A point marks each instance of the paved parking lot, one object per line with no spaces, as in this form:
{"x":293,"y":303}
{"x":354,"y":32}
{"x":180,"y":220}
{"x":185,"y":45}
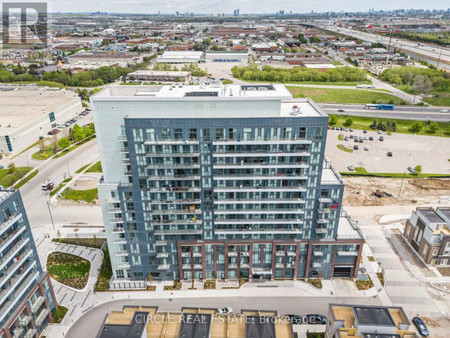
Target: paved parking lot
{"x":433,"y":153}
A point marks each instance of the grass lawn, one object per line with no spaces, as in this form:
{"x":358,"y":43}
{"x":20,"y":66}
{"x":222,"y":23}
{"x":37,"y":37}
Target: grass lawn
{"x":82,"y":168}
{"x":95,"y":168}
{"x":105,"y":273}
{"x":59,"y":314}
{"x":80,"y":195}
{"x":333,"y":95}
{"x":42,"y":156}
{"x":68,"y":269}
{"x":360,"y":171}
{"x":29,"y":147}
{"x":363,"y":122}
{"x":8,"y":180}
{"x":341,"y":147}
{"x":441,"y":98}
{"x":26,"y":179}
{"x":89,"y":242}
{"x":58,"y":188}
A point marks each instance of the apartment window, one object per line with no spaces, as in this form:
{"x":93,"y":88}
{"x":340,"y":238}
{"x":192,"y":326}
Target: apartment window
{"x":192,"y":134}
{"x":120,"y":274}
{"x":447,"y":249}
{"x":219,"y":134}
{"x":443,"y":262}
{"x":178,"y":134}
{"x":150,"y":134}
{"x":206,"y":135}
{"x":435,"y":252}
{"x":425,"y":251}
{"x":165,"y":134}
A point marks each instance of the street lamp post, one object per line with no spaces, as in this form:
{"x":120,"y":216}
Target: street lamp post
{"x":50,"y":213}
{"x":401,"y":185}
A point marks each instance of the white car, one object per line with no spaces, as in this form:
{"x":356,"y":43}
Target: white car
{"x":224,"y":310}
{"x":444,"y":110}
{"x":366,"y":148}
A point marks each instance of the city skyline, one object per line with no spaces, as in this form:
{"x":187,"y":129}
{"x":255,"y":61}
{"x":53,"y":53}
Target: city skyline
{"x":245,"y":7}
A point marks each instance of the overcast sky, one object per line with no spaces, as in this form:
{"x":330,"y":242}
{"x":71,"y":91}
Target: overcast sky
{"x":245,"y":6}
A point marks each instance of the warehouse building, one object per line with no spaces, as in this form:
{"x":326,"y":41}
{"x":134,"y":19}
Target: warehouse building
{"x":227,"y":57}
{"x":160,"y":76}
{"x":28,"y":113}
{"x":181,"y":57}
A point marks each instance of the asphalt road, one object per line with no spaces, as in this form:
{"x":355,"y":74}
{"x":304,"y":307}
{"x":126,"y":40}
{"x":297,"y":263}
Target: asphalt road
{"x":399,"y":112}
{"x":57,"y":170}
{"x":90,"y":323}
{"x":429,"y":52}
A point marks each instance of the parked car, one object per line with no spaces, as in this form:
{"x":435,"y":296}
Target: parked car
{"x":412,"y":170}
{"x":341,"y":111}
{"x":2,"y":167}
{"x":356,"y":140}
{"x":381,"y":138}
{"x":316,"y":319}
{"x":351,"y":130}
{"x":333,"y":128}
{"x":366,"y":137}
{"x":370,"y":138}
{"x":351,"y":168}
{"x":361,"y":140}
{"x":346,"y":138}
{"x":355,"y":147}
{"x":351,"y":136}
{"x":444,"y":110}
{"x":295,"y":319}
{"x":421,"y":326}
{"x":47,"y":185}
{"x":366,"y":148}
{"x":365,"y":131}
{"x":389,"y":153}
{"x":379,"y":132}
{"x":224,"y":310}
{"x":388,"y":194}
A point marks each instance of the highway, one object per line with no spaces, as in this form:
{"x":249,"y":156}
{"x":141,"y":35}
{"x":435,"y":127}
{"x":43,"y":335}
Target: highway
{"x":429,"y":52}
{"x":399,"y":112}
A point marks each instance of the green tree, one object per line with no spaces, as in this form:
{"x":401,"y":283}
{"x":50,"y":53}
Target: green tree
{"x":422,"y":85}
{"x":63,"y":143}
{"x":302,"y":38}
{"x":314,"y":39}
{"x":11,"y":168}
{"x":416,"y":127}
{"x":433,"y":128}
{"x":418,"y":169}
{"x":78,"y":133}
{"x":214,"y":47}
{"x":348,"y":122}
{"x":333,"y":120}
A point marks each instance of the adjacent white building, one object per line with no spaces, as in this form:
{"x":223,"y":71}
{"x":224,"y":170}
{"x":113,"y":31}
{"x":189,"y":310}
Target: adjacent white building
{"x":181,"y":57}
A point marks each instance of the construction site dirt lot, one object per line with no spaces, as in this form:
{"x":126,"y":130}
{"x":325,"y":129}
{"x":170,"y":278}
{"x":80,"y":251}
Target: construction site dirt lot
{"x":359,"y":191}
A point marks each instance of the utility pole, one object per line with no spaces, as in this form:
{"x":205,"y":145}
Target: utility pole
{"x":439,"y":58}
{"x":51,"y":217}
{"x":390,"y":37}
{"x":68,"y":170}
{"x":401,"y":185}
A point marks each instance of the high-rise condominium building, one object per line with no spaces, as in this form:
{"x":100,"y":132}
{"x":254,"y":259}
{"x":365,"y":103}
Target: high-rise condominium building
{"x":26,"y":294}
{"x":219,"y":182}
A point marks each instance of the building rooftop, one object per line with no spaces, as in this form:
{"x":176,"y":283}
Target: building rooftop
{"x":445,"y":212}
{"x":346,"y":230}
{"x":373,"y":316}
{"x":193,"y":323}
{"x":24,"y":105}
{"x":430,"y":215}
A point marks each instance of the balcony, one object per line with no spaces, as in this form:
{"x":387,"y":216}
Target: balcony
{"x":347,"y":253}
{"x":116,"y":220}
{"x":114,"y":210}
{"x":174,"y":166}
{"x":25,"y":320}
{"x":121,"y":253}
{"x":120,"y":241}
{"x":178,"y":232}
{"x":175,"y":189}
{"x":161,"y":154}
{"x":233,"y":177}
{"x":173,"y":178}
{"x":37,"y":304}
{"x":186,"y":254}
{"x":260,"y":211}
{"x":163,"y":267}
{"x":257,"y":231}
{"x":321,"y":230}
{"x":177,"y":211}
{"x":178,"y":201}
{"x":291,"y":253}
{"x":316,"y":265}
{"x":198,"y":266}
{"x":18,"y":332}
{"x":162,"y":255}
{"x":325,"y":200}
{"x":232,"y":266}
{"x":30,"y":333}
{"x":178,"y":222}
{"x":186,"y":266}
{"x":318,"y":253}
{"x":160,"y":243}
{"x":260,"y":188}
{"x":279,"y":265}
{"x":150,"y":142}
{"x":290,"y":265}
{"x":245,"y":253}
{"x":263,"y":141}
{"x":324,"y":211}
{"x":11,"y":237}
{"x":260,"y":200}
{"x":126,"y":161}
{"x":258,"y":221}
{"x":123,"y":265}
{"x":261,"y":153}
{"x":243,"y":164}
{"x":323,"y":221}
{"x":13,"y":252}
{"x":280,"y":253}
{"x":244,"y":265}
{"x":197,"y":254}
{"x":10,"y":221}
{"x":232,"y":253}
{"x":118,"y":230}
{"x":13,"y":268}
